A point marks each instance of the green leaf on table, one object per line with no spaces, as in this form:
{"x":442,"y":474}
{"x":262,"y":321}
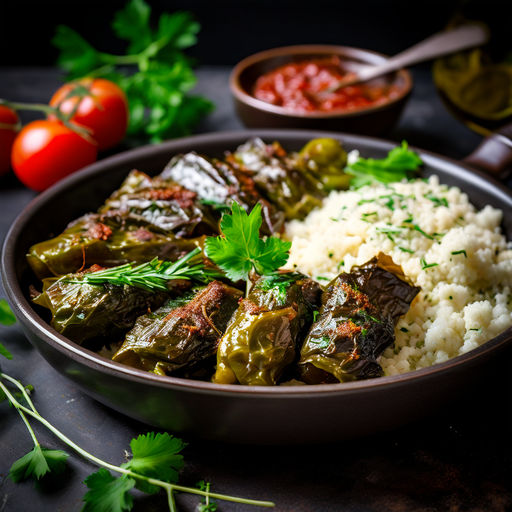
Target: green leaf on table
{"x":132,"y":24}
{"x":6,"y":315}
{"x":107,"y":493}
{"x":4,"y":352}
{"x":156,"y":456}
{"x":400,"y":163}
{"x":240,"y":249}
{"x":77,"y":56}
{"x":37,"y":463}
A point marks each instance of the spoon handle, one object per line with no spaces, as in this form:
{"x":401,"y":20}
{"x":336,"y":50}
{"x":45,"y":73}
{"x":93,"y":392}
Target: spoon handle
{"x":461,"y":38}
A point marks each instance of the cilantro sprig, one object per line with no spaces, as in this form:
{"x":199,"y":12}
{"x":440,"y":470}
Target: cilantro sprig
{"x":399,"y":163}
{"x":240,"y":251}
{"x":154,"y":464}
{"x":154,"y":73}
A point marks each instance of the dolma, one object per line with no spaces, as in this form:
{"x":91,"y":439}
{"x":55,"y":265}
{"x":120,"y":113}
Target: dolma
{"x":287,"y":181}
{"x":162,"y":204}
{"x":107,"y":240}
{"x":182,"y":334}
{"x":83,"y":311}
{"x":219,"y":183}
{"x":263,"y":337}
{"x":356,"y":322}
{"x":145,"y":218}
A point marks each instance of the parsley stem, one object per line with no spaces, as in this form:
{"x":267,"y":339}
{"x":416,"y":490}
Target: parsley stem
{"x":20,"y":386}
{"x":170,"y":500}
{"x":23,"y":417}
{"x":169,"y":488}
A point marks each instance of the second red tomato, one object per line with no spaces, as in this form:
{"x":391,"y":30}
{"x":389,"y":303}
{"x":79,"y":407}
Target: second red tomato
{"x":104,"y":111}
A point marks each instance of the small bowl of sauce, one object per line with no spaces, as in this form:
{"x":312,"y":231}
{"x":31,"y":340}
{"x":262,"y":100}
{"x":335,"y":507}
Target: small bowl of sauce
{"x":298,"y":87}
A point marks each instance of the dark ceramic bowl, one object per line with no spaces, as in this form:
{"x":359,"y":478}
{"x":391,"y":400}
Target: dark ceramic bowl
{"x":372,"y":120}
{"x":230,"y":412}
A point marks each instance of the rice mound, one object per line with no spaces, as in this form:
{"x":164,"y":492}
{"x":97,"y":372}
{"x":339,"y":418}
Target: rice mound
{"x":456,"y":254}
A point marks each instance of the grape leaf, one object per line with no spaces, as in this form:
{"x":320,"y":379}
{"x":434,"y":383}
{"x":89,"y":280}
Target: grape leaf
{"x":156,"y":456}
{"x":398,"y":164}
{"x":240,"y":249}
{"x":6,"y":315}
{"x":107,"y":493}
{"x":37,"y":463}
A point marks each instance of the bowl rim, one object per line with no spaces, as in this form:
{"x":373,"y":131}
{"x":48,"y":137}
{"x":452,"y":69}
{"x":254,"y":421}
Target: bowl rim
{"x":352,"y":52}
{"x":29,"y":318}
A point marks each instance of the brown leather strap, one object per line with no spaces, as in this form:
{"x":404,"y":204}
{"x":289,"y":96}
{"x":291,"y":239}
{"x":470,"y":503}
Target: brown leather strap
{"x":494,"y":154}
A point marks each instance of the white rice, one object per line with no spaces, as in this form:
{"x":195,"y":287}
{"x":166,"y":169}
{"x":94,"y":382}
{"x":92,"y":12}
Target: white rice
{"x":465,"y":300}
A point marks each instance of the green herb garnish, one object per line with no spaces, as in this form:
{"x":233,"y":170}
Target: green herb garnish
{"x":404,"y":249}
{"x":240,"y":251}
{"x":425,"y":265}
{"x":404,"y":329}
{"x":438,"y":201}
{"x":322,"y":343}
{"x":419,"y":230}
{"x":155,"y":74}
{"x":155,"y":274}
{"x":216,"y":205}
{"x":462,"y":251}
{"x":399,"y":164}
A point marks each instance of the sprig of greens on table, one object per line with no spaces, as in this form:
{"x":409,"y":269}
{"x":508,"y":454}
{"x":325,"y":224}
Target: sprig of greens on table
{"x":158,"y":90}
{"x":154,"y":464}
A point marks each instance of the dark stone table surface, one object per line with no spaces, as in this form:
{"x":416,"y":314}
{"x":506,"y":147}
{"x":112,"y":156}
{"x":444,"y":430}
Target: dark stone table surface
{"x":459,"y":459}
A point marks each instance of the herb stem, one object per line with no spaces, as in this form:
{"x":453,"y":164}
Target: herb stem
{"x":170,"y":488}
{"x":20,"y":386}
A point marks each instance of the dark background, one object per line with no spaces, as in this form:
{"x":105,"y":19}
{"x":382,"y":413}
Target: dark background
{"x":233,"y":29}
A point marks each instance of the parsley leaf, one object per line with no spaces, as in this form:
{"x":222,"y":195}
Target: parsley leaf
{"x":155,"y":74}
{"x":37,"y":463}
{"x":4,"y":352}
{"x":77,"y":57}
{"x":107,"y":493}
{"x":398,"y":164}
{"x":6,"y":315}
{"x":239,"y":249}
{"x":156,"y":456}
{"x":132,"y":24}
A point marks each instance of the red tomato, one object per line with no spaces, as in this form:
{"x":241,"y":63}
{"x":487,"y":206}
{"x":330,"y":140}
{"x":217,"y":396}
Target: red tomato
{"x":9,"y":126}
{"x":104,"y":111}
{"x":45,"y":151}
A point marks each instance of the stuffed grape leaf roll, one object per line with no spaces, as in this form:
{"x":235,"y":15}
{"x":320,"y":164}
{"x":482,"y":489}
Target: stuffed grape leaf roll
{"x":356,"y":322}
{"x":182,"y":334}
{"x":219,"y":183}
{"x":146,"y":218}
{"x":83,"y":311}
{"x":264,"y":335}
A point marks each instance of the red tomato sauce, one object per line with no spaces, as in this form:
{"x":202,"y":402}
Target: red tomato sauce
{"x":304,"y":87}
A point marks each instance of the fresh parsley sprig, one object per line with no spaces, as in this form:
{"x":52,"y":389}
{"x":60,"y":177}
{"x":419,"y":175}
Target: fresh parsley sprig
{"x":154,"y":465}
{"x":155,"y":74}
{"x":240,"y":251}
{"x":400,"y":163}
{"x":154,"y":275}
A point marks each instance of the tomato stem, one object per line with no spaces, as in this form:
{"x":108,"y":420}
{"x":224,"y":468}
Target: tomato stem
{"x":40,"y":107}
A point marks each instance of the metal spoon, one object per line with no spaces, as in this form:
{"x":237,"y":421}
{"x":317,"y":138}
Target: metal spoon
{"x":442,"y":43}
